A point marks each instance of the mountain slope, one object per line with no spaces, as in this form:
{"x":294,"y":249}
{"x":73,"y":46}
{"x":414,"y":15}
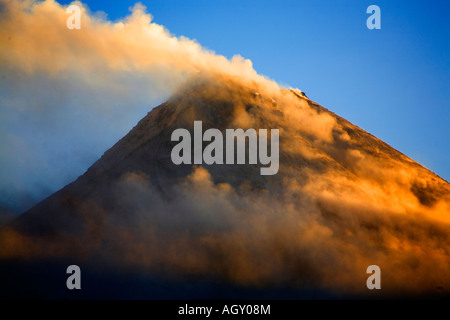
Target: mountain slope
{"x":342,"y":200}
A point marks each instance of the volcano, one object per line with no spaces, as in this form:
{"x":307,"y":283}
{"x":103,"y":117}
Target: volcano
{"x":139,"y":225}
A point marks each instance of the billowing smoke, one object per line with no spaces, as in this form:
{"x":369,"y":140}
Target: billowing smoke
{"x":67,"y":95}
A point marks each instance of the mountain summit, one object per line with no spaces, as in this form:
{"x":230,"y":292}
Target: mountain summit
{"x":342,"y":200}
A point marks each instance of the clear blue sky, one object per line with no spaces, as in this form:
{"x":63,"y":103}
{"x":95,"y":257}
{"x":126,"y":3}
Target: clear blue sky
{"x":393,"y":82}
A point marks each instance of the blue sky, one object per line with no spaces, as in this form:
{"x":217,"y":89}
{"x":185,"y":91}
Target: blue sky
{"x":392,"y":82}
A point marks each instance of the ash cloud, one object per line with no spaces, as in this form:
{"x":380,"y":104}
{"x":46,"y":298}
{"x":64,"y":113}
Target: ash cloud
{"x":68,"y":95}
{"x":302,"y":235}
